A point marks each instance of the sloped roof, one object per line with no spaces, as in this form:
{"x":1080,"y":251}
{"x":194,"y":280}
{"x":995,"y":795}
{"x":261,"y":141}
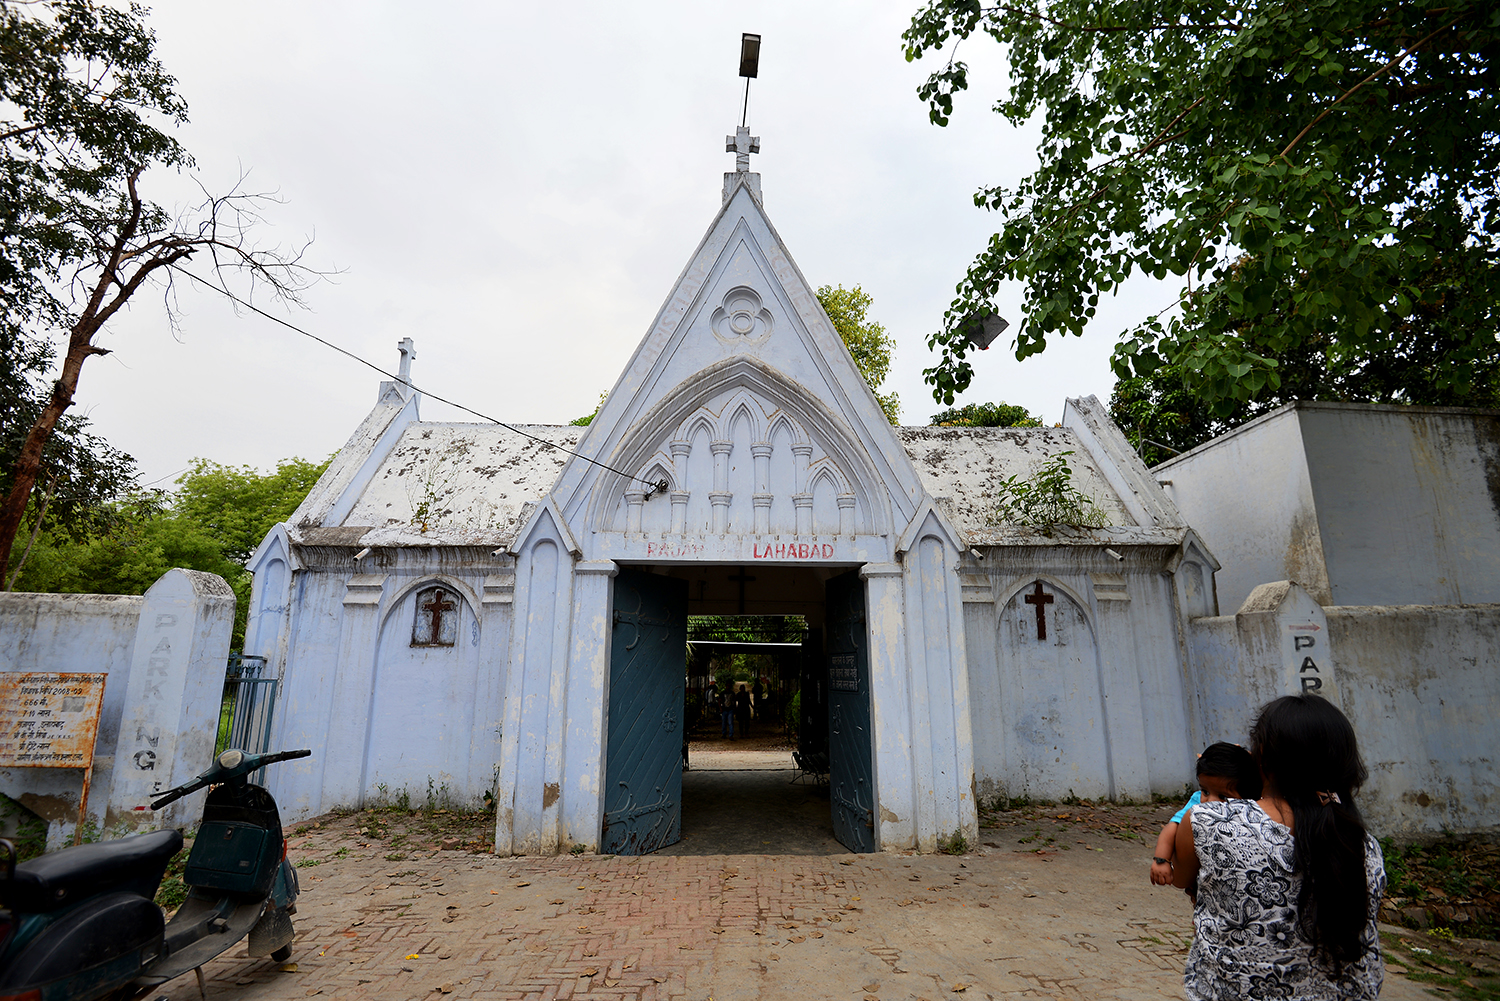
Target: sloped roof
{"x":475,"y":484}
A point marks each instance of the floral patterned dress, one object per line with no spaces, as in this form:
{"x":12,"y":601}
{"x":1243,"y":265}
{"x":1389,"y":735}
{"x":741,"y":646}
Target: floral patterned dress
{"x":1247,"y":943}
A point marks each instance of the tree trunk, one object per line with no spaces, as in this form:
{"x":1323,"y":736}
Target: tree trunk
{"x":80,"y":346}
{"x":36,"y":529}
{"x":29,"y":463}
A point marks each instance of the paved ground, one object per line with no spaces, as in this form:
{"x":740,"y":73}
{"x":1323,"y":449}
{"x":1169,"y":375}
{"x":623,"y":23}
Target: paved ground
{"x":1052,"y":905}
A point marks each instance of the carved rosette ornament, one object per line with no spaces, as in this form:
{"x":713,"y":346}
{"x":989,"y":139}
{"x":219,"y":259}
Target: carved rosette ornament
{"x":742,"y":317}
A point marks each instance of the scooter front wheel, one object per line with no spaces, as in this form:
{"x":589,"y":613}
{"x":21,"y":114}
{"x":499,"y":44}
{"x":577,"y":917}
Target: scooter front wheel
{"x":282,"y":955}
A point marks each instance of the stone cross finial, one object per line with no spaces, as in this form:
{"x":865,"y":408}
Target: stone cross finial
{"x":408,"y":352}
{"x":742,"y":144}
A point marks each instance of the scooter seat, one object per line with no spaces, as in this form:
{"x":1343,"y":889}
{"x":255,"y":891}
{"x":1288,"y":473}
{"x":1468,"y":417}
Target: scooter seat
{"x":53,"y":881}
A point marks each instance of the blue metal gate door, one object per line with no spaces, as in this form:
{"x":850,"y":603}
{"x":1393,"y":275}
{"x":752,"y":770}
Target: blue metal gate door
{"x":851,"y":773}
{"x":647,"y":666}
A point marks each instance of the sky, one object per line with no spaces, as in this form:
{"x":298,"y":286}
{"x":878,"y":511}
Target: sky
{"x":517,"y":187}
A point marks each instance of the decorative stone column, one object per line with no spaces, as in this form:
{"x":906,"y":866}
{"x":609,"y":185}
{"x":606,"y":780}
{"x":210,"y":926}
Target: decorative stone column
{"x":721,"y":496}
{"x":802,"y":451}
{"x":353,"y":688}
{"x":635,"y":500}
{"x":803,"y":504}
{"x":681,"y":449}
{"x":846,"y":514}
{"x":581,"y":780}
{"x":761,"y":450}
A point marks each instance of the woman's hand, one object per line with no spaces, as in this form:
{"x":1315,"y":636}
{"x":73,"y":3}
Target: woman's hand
{"x":1161,"y":873}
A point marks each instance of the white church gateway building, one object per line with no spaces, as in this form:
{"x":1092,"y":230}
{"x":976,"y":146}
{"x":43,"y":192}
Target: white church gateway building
{"x":465,"y":608}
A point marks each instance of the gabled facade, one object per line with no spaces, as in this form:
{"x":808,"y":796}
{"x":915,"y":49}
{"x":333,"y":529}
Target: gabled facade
{"x":970,"y":659}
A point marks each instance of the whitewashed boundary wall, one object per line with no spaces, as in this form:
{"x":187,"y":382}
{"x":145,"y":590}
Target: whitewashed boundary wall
{"x":164,"y":655}
{"x":1419,"y":682}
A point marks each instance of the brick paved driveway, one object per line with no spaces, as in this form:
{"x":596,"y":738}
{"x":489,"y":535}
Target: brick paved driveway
{"x":1021,"y":920}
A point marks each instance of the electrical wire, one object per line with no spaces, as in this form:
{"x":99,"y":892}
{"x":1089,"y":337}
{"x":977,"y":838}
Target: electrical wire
{"x":654,"y":487}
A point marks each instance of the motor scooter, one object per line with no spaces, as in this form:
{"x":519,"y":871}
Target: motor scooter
{"x":80,"y":923}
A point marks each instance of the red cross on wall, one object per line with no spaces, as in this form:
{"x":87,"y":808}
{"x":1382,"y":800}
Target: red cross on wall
{"x":435,"y":607}
{"x":1041,"y":601}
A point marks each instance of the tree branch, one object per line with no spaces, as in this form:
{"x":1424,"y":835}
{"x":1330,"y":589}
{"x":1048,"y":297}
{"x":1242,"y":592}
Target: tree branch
{"x":1037,"y":15}
{"x":1396,"y":59}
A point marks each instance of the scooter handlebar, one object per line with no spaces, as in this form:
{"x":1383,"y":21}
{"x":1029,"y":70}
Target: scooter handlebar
{"x":221,"y":771}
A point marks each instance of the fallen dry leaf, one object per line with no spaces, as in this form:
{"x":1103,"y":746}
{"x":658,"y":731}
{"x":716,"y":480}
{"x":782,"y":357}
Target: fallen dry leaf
{"x":610,"y":983}
{"x":960,"y":988}
{"x":446,"y":988}
{"x":592,"y":971}
{"x":519,"y":885}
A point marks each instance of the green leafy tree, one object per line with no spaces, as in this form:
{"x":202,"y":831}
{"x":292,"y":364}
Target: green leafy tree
{"x":79,"y":472}
{"x":986,"y":415}
{"x":81,"y":97}
{"x":866,"y":340}
{"x":213,"y":523}
{"x":1164,"y":413}
{"x":237,"y":506}
{"x":1326,"y":175}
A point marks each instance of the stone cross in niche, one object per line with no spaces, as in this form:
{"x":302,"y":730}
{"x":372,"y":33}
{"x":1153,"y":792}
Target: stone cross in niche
{"x":1041,"y":601}
{"x":435,"y":607}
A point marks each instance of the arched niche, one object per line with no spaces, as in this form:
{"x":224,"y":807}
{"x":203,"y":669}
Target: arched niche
{"x":743,"y":444}
{"x":1056,"y":739}
{"x":422,"y":701}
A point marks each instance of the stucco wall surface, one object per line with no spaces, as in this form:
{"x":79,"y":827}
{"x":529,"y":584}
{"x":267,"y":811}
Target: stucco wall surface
{"x":1248,"y":496}
{"x":1422,"y":687}
{"x":93,"y":633}
{"x":163,"y":654}
{"x":1408,"y":502}
{"x":1419,"y":683}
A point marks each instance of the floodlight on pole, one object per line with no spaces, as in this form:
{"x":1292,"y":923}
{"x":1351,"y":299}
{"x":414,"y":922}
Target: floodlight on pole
{"x":982,"y":326}
{"x":749,"y":68}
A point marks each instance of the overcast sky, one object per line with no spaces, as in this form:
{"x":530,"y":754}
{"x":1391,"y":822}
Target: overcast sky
{"x":517,"y":186}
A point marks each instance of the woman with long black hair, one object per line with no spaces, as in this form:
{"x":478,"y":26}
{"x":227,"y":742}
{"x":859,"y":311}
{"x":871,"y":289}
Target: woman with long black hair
{"x":1288,"y":885}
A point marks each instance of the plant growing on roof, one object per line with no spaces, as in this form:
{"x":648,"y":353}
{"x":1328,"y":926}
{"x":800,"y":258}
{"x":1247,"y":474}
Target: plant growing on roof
{"x":1048,"y":498}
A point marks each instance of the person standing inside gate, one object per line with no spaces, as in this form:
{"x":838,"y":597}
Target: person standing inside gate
{"x":1288,"y":886}
{"x":725,"y":701}
{"x":742,"y":708}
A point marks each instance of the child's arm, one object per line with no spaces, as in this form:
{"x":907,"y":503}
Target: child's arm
{"x":1185,"y":868}
{"x":1166,"y":847}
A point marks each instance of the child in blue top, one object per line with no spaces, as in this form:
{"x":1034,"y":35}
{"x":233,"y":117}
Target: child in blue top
{"x":1225,"y":771}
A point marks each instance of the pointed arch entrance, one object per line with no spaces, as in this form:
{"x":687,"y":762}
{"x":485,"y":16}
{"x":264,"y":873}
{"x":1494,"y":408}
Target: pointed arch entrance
{"x":644,"y":724}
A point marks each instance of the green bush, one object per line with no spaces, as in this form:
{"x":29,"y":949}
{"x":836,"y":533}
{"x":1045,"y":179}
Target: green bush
{"x":794,"y":715}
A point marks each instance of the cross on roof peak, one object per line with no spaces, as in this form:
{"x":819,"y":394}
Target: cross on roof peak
{"x":742,"y":144}
{"x":408,"y":351}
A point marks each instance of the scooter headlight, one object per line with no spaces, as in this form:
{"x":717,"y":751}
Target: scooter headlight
{"x":231,"y":758}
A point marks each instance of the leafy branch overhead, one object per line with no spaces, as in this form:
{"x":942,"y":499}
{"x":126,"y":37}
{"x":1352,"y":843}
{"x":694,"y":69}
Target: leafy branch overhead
{"x":1326,"y":175}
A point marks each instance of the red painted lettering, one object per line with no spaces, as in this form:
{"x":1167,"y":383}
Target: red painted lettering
{"x":827,"y":552}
